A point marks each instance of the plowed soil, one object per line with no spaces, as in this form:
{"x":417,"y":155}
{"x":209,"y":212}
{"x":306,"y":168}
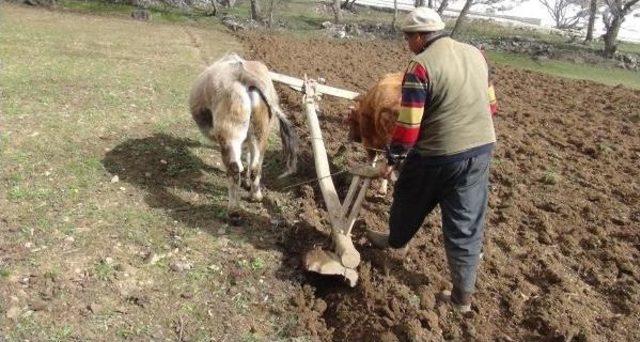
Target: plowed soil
{"x":563,"y":229}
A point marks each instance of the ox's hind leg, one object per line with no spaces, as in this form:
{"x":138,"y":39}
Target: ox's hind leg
{"x":232,"y":133}
{"x":256,"y":169}
{"x":258,"y":138}
{"x":234,"y":177}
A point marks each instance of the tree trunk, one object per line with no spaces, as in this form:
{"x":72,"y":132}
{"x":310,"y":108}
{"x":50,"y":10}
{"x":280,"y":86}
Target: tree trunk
{"x":443,"y":6}
{"x":395,"y":15}
{"x":214,"y":6}
{"x":610,"y":37}
{"x":270,"y":9}
{"x":419,"y":3}
{"x":461,"y":16}
{"x":347,"y":5}
{"x":337,"y":13}
{"x":255,"y":10}
{"x":430,"y":4}
{"x":593,"y":10}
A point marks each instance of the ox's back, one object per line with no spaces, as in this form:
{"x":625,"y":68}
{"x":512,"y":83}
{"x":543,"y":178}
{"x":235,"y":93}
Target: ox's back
{"x":376,"y":112}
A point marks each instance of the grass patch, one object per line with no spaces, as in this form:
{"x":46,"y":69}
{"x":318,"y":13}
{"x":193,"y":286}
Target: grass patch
{"x":609,"y":76}
{"x":104,"y":270}
{"x":550,"y":177}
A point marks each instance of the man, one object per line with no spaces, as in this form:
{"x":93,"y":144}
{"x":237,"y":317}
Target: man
{"x":444,"y":136}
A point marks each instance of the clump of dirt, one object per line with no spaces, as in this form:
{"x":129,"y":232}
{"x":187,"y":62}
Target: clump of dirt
{"x":563,"y":229}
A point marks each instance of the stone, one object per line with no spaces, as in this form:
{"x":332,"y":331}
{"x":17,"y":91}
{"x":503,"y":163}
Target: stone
{"x":13,"y":312}
{"x":180,"y":266}
{"x":141,"y":14}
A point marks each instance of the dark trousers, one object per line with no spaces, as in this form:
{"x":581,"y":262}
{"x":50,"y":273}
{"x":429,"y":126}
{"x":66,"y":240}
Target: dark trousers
{"x":461,"y":190}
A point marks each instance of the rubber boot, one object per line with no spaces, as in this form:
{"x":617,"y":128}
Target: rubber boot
{"x":461,"y":300}
{"x":378,"y":240}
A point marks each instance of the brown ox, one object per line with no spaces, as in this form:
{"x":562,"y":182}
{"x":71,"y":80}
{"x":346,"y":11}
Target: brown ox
{"x":234,"y":104}
{"x":373,"y":118}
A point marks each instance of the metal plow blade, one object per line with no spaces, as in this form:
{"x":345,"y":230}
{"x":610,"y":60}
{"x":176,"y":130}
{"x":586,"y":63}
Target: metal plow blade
{"x":328,"y":263}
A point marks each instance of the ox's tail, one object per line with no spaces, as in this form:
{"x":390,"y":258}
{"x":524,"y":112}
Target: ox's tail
{"x":289,"y":140}
{"x":288,"y":135}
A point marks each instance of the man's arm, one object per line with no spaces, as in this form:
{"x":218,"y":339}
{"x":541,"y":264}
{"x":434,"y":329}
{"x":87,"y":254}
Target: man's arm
{"x":493,"y":101}
{"x":415,"y":98}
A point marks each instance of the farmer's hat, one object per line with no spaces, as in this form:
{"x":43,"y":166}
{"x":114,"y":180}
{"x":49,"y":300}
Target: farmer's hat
{"x":422,"y":19}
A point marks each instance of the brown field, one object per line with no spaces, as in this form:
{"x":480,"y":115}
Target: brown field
{"x":563,"y":233}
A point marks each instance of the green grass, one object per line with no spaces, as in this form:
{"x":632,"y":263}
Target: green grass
{"x":98,"y":96}
{"x":609,"y":76}
{"x":161,"y":14}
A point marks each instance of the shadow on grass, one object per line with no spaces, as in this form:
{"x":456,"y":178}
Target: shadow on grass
{"x":138,"y":162}
{"x":161,"y":164}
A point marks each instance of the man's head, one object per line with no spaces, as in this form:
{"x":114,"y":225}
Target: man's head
{"x":419,"y":25}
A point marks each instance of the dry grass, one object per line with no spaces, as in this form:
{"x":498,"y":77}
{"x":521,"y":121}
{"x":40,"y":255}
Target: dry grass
{"x":86,"y":98}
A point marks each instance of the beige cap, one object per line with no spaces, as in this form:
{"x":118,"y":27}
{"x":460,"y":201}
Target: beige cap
{"x":422,"y":19}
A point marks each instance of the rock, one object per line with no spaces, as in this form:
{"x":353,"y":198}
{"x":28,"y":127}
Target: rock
{"x":180,"y":266}
{"x":388,"y":336}
{"x":115,"y":179}
{"x":326,"y":24}
{"x":141,"y":14}
{"x":94,"y":308}
{"x":13,"y":312}
{"x":232,"y":23}
{"x":153,"y":258}
{"x":320,"y":306}
{"x":139,"y":300}
{"x":430,"y":319}
{"x":38,"y":305}
{"x":427,"y":299}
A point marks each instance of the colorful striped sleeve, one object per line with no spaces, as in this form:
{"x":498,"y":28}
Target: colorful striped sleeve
{"x":415,"y":98}
{"x":493,"y":101}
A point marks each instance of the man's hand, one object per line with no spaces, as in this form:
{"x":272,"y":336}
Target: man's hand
{"x":385,"y":170}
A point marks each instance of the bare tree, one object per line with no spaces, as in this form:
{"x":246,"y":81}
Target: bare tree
{"x":443,"y":6}
{"x":419,"y":3}
{"x":395,"y":15}
{"x":593,"y":12}
{"x":348,"y":4}
{"x":461,"y":16}
{"x":270,"y":8}
{"x":255,"y":10}
{"x":613,"y":17}
{"x":566,"y":13}
{"x":337,"y":12}
{"x":465,"y":10}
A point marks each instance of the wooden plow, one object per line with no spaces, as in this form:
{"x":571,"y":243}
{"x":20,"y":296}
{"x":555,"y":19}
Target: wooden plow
{"x":344,"y":259}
